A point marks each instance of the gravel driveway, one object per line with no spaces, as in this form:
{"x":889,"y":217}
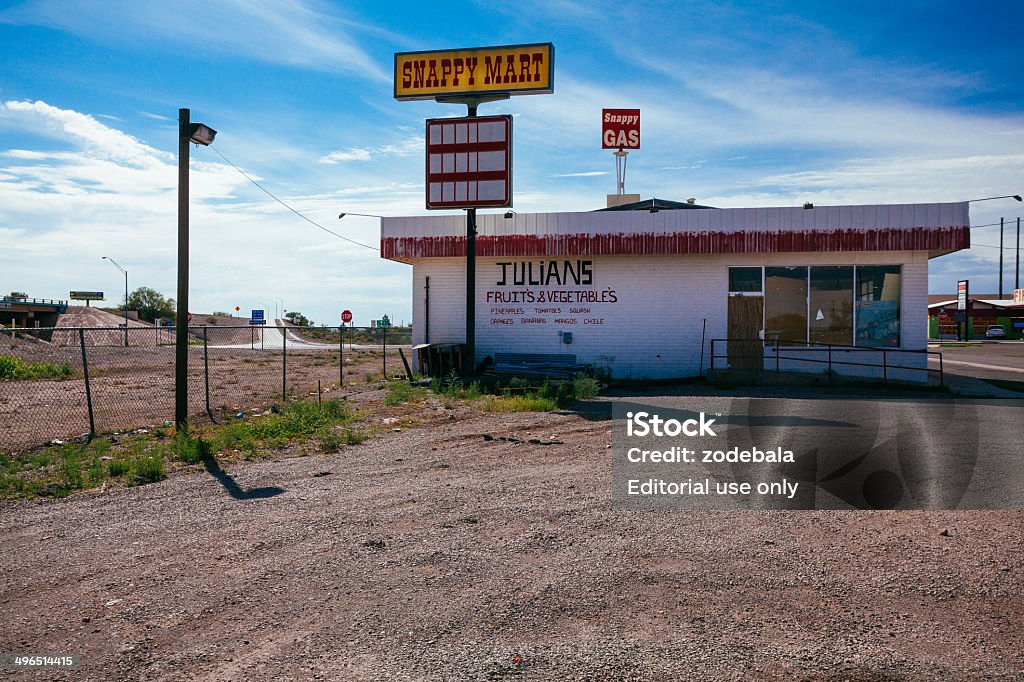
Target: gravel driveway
{"x":435,"y":554}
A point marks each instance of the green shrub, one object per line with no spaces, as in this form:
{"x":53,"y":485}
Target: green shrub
{"x":18,"y":369}
{"x":585,"y":387}
{"x":148,"y":469}
{"x":399,"y":392}
{"x":190,"y":450}
{"x":118,"y":467}
{"x":517,"y":403}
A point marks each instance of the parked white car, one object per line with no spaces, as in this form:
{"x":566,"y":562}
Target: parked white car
{"x":995,"y":331}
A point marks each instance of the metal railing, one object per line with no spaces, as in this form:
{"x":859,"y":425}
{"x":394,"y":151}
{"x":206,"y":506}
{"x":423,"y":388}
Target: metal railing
{"x":32,"y":301}
{"x":833,"y":352}
{"x":73,"y":382}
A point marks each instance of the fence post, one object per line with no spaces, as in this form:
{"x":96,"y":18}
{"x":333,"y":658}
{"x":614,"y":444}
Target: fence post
{"x":284,"y":363}
{"x":206,"y":371}
{"x":88,"y":389}
{"x":712,"y":367}
{"x":776,"y":357}
{"x":942,"y":378}
{"x":885,"y":367}
{"x":341,"y":356}
{"x":384,"y":341}
{"x":830,"y":362}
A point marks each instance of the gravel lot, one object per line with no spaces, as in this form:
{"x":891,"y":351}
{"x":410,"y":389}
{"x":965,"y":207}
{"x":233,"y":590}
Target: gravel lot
{"x":432,"y":553}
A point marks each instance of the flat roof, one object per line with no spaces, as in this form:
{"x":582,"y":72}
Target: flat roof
{"x":935,"y":228}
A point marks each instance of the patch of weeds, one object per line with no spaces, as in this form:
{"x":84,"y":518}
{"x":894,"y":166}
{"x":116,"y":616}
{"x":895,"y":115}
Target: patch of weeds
{"x":96,"y":471}
{"x":585,"y":387}
{"x":517,"y":403}
{"x":401,"y":392}
{"x":331,"y":441}
{"x":189,"y":450}
{"x":17,"y":369}
{"x":148,"y":469}
{"x":289,"y":422}
{"x":118,"y":467}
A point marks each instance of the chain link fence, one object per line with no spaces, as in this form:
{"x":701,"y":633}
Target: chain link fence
{"x":74,"y":382}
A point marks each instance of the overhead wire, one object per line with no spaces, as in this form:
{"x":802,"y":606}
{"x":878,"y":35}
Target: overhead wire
{"x":278,"y":200}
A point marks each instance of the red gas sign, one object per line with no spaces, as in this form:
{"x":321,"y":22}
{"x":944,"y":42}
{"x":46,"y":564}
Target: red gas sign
{"x":620,"y":129}
{"x":346,"y":316}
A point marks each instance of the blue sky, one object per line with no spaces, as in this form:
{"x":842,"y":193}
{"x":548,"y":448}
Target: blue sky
{"x":743,"y":104}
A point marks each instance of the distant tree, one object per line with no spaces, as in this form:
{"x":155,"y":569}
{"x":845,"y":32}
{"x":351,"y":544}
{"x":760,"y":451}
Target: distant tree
{"x":220,"y":313}
{"x":151,"y":304}
{"x":18,"y":295}
{"x":298,"y":319}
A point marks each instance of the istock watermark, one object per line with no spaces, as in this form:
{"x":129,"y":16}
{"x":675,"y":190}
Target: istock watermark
{"x":787,"y":453}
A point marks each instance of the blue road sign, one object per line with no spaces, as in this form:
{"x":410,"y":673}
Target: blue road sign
{"x":257,"y":317}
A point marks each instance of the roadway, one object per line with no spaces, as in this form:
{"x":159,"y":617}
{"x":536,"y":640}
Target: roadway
{"x":1000,"y":360}
{"x":272,"y":337}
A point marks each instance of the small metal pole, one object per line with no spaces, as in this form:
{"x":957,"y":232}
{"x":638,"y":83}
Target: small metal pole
{"x":88,"y":389}
{"x":341,"y":356}
{"x":1001,"y":257}
{"x":776,"y":357}
{"x":319,"y":394}
{"x":830,"y":362}
{"x":885,"y":367}
{"x":1016,"y":279}
{"x":703,"y":330}
{"x":284,"y":362}
{"x":206,"y":371}
{"x":384,"y":342}
{"x":942,"y":376}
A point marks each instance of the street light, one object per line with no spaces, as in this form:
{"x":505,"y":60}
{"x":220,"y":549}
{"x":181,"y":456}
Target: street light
{"x":126,"y":294}
{"x":1005,"y":196}
{"x":198,"y":134}
{"x":273,"y":304}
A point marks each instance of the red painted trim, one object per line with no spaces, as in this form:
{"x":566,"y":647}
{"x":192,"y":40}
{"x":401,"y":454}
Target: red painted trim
{"x":885,"y":239}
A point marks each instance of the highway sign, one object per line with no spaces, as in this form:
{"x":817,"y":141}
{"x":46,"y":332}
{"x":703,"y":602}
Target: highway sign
{"x":257,"y":317}
{"x":86,"y":295}
{"x":346,"y":316}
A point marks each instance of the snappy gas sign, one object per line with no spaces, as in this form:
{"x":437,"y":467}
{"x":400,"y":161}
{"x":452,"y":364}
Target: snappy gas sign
{"x":620,"y":129}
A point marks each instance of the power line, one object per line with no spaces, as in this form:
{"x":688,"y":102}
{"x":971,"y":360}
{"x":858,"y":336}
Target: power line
{"x":272,"y":196}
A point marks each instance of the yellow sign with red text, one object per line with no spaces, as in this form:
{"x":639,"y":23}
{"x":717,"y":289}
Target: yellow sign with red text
{"x":512,"y":69}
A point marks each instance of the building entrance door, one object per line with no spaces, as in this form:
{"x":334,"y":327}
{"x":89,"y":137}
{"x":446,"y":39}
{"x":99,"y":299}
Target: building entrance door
{"x":745,"y":348}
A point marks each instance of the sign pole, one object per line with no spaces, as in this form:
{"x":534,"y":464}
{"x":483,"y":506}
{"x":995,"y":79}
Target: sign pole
{"x":470,"y":357}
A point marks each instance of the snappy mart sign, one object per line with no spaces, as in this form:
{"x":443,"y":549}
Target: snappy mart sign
{"x":512,"y":69}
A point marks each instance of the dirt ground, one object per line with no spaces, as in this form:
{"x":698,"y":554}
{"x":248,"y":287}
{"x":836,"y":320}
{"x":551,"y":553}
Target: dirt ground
{"x":432,"y":553}
{"x":134,"y":387}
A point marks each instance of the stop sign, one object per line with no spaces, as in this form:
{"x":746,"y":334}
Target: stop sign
{"x":346,"y":316}
{"x":189,"y":317}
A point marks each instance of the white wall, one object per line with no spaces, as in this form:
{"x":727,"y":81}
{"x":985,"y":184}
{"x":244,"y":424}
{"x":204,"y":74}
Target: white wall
{"x":653,"y":330}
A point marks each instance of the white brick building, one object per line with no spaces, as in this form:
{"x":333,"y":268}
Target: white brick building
{"x":633,"y":291}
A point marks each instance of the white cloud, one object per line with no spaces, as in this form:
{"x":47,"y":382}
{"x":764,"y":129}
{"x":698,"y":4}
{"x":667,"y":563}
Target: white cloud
{"x":88,"y":190}
{"x":308,"y":34}
{"x":349,"y":155}
{"x":408,"y":147}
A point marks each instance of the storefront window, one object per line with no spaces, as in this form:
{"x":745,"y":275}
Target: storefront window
{"x":831,"y":309}
{"x":878,"y":306}
{"x":744,"y":280}
{"x":785,"y":305}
